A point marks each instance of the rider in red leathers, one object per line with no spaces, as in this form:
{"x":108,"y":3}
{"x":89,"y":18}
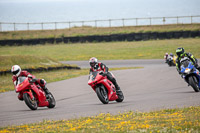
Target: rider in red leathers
{"x":17,"y":72}
{"x":98,"y":66}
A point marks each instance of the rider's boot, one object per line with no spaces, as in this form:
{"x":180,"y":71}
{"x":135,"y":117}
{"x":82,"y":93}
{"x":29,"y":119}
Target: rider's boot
{"x":198,"y":68}
{"x":118,"y":90}
{"x":46,"y":91}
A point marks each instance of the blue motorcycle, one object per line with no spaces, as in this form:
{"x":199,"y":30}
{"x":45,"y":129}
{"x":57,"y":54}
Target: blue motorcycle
{"x":190,"y":74}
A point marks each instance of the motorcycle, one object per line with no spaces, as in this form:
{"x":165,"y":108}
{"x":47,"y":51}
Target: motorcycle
{"x":171,"y":61}
{"x":104,"y":88}
{"x":33,"y":94}
{"x":190,"y":74}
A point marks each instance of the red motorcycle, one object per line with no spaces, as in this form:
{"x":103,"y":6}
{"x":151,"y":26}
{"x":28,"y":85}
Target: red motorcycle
{"x":104,"y":88}
{"x":33,"y":94}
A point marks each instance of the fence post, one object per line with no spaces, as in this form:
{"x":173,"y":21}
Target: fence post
{"x":82,"y":23}
{"x":123,"y":22}
{"x":69,"y":25}
{"x":164,"y":20}
{"x":95,"y":21}
{"x":14,"y":26}
{"x":0,"y":28}
{"x":42,"y":25}
{"x":55,"y":25}
{"x":150,"y":20}
{"x":109,"y":22}
{"x":136,"y":21}
{"x":177,"y":19}
{"x":28,"y":26}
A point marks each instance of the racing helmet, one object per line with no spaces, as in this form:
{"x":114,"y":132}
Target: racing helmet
{"x":93,"y":61}
{"x":16,"y":70}
{"x":180,"y":51}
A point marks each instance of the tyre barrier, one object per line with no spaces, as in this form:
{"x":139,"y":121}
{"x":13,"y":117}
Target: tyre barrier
{"x":105,"y":38}
{"x":41,"y":69}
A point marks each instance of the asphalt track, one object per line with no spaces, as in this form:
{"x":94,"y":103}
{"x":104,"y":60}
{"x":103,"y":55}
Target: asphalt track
{"x":154,"y":87}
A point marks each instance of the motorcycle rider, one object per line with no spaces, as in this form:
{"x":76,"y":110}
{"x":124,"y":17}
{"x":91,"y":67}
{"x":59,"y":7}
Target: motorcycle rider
{"x":166,"y":57}
{"x":171,"y":55}
{"x":17,"y":72}
{"x":181,"y":54}
{"x":98,"y":66}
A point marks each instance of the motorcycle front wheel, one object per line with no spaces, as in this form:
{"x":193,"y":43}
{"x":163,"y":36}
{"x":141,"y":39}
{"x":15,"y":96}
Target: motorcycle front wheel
{"x":51,"y":100}
{"x":31,"y":103}
{"x":102,"y":94}
{"x":194,"y":83}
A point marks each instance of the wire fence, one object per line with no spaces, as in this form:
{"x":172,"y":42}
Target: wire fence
{"x":4,"y":26}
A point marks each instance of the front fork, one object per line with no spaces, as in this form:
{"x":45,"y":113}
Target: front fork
{"x":30,"y":93}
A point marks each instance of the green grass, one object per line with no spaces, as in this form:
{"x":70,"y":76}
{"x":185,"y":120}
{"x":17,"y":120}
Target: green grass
{"x":27,"y":61}
{"x":168,"y":120}
{"x":6,"y":83}
{"x":85,"y":31}
{"x":154,"y":49}
{"x":27,"y":56}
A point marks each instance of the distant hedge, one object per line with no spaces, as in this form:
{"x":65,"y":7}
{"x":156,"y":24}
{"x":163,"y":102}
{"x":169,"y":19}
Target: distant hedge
{"x":41,"y":69}
{"x":105,"y":38}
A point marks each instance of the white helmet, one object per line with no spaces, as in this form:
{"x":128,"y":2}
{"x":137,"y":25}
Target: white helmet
{"x":16,"y":70}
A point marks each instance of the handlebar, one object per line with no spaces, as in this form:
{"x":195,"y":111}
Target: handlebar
{"x":33,"y":80}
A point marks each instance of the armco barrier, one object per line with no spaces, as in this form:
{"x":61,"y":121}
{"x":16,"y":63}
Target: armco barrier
{"x":41,"y":69}
{"x":105,"y":38}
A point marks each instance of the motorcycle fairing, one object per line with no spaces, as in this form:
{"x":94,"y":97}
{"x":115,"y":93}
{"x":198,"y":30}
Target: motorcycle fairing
{"x":97,"y":79}
{"x":40,"y":95}
{"x":111,"y":89}
{"x":194,"y":73}
{"x":24,"y":86}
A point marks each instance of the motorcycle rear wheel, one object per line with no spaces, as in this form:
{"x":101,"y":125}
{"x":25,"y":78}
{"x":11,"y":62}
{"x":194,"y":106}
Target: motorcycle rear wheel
{"x":51,"y":100}
{"x":31,"y":103}
{"x":102,"y":94}
{"x":192,"y":82}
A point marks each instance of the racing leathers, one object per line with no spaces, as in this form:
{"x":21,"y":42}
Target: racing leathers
{"x":102,"y":67}
{"x":191,"y":57}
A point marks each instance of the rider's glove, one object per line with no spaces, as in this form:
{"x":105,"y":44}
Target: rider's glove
{"x":33,"y":80}
{"x":101,"y":72}
{"x":30,"y":76}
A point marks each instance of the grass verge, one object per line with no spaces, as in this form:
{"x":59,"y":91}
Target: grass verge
{"x":27,"y":61}
{"x":6,"y":83}
{"x":154,"y":49}
{"x":168,"y":120}
{"x":86,"y":30}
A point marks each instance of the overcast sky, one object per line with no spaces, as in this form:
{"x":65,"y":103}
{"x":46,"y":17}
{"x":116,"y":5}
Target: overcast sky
{"x":44,"y":0}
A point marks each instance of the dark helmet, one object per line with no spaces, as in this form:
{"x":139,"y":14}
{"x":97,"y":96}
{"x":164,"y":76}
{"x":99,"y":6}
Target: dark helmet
{"x":93,"y":61}
{"x":180,"y":51}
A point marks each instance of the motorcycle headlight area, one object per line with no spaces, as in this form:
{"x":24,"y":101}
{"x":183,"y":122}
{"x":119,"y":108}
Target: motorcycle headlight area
{"x":187,"y":70}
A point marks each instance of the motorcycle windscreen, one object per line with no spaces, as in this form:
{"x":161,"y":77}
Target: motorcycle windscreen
{"x":22,"y":84}
{"x":184,"y":64}
{"x":93,"y":75}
